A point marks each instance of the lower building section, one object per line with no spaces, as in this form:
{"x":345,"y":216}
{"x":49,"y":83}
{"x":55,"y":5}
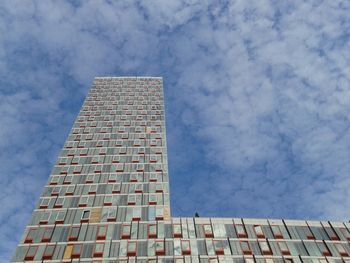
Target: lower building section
{"x":185,"y":240}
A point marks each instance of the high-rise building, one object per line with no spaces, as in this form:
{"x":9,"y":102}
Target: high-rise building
{"x":107,"y":198}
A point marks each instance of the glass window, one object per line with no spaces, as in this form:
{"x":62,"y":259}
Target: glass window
{"x":31,"y":253}
{"x":74,"y":233}
{"x":48,"y":253}
{"x":185,"y":247}
{"x":47,"y":234}
{"x":152,"y":199}
{"x":131,"y":249}
{"x":125,"y":232}
{"x":277,"y":232}
{"x":265,"y":248}
{"x":101,"y":232}
{"x":85,"y":216}
{"x":245,"y":248}
{"x":98,"y":250}
{"x":241,"y":232}
{"x":70,"y":190}
{"x":152,"y":231}
{"x":342,"y":251}
{"x":77,"y":250}
{"x":208,"y":232}
{"x":44,"y":202}
{"x":284,"y":248}
{"x":30,"y":235}
{"x":159,"y":247}
{"x":218,"y":247}
{"x":259,"y":232}
{"x":177,"y":230}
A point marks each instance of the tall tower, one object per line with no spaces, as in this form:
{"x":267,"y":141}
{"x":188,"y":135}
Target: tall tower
{"x":107,"y":198}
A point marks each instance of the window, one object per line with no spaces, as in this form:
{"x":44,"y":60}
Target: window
{"x":185,"y":247}
{"x":284,"y":248}
{"x":48,"y":253}
{"x":108,"y":200}
{"x":131,"y":248}
{"x":177,"y":230}
{"x":152,"y":199}
{"x":323,"y":248}
{"x":74,"y":233}
{"x":259,"y":231}
{"x":218,"y":247}
{"x":98,"y":250}
{"x":159,"y":247}
{"x":331,"y":233}
{"x":70,"y":190}
{"x":159,"y":213}
{"x":90,"y":178}
{"x":55,"y":191}
{"x":208,"y":232}
{"x":152,"y":230}
{"x":265,"y":248}
{"x":60,"y":217}
{"x":77,"y":250}
{"x":245,"y":248}
{"x":277,"y":232}
{"x":85,"y":216}
{"x":153,"y":177}
{"x":136,"y":214}
{"x":44,"y":218}
{"x":116,"y":188}
{"x":131,"y":199}
{"x":31,"y":253}
{"x":159,"y":188}
{"x":83,"y":201}
{"x":101,"y":232}
{"x":59,"y":202}
{"x":44,"y":202}
{"x":241,"y":231}
{"x":54,"y":180}
{"x":47,"y":234}
{"x":112,"y":178}
{"x":68,"y":179}
{"x":138,"y":188}
{"x":30,"y":235}
{"x":342,"y":251}
{"x":345,"y":233}
{"x":92,"y":189}
{"x":125,"y":232}
{"x":111,"y":215}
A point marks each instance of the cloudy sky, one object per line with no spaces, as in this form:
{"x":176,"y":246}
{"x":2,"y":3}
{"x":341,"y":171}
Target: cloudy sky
{"x":257,"y":99}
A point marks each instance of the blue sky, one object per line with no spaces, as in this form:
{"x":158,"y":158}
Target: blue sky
{"x":257,"y":99}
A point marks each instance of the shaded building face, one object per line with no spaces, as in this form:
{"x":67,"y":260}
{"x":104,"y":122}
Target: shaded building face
{"x":107,"y":198}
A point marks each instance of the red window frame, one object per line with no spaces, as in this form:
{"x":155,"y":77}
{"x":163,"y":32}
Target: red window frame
{"x":47,"y":237}
{"x":131,"y":253}
{"x":101,"y":236}
{"x":178,"y":235}
{"x":285,"y":252}
{"x":246,"y":250}
{"x":265,"y":252}
{"x":98,"y":254}
{"x":76,"y":254}
{"x":32,"y":255}
{"x":218,"y":250}
{"x":277,"y":235}
{"x":258,"y":233}
{"x":160,"y":251}
{"x":28,"y":239}
{"x":206,"y":233}
{"x":239,"y":233}
{"x":73,"y":238}
{"x":185,"y":251}
{"x":125,"y":235}
{"x":150,"y":234}
{"x":48,"y":254}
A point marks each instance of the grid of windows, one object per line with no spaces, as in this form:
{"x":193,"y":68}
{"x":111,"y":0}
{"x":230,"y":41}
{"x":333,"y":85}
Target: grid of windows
{"x":107,"y":199}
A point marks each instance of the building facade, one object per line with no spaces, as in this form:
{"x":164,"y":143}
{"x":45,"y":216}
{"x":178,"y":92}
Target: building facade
{"x":107,"y":198}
